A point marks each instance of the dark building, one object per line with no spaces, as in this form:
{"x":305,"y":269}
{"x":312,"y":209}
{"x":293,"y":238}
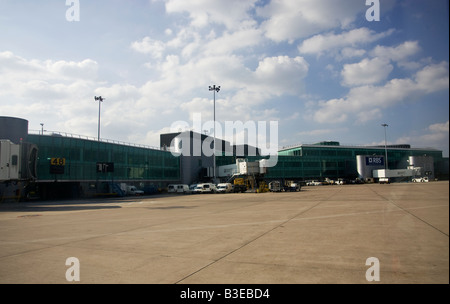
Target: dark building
{"x":196,"y":153}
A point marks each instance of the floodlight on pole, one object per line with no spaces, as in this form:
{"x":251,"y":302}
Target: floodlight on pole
{"x":100,"y":100}
{"x":385,"y":146}
{"x":215,"y":89}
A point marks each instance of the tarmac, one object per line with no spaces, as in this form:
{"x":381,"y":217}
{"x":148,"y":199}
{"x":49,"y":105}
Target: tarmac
{"x":346,"y":234}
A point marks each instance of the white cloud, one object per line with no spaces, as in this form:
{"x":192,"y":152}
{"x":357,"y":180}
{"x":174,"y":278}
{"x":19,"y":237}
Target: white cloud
{"x":16,"y":67}
{"x":398,"y":53}
{"x":86,"y":69}
{"x":231,"y":42}
{"x":439,"y":127}
{"x":240,"y":45}
{"x":245,"y":90}
{"x":28,"y":80}
{"x":369,"y":115}
{"x":321,"y":132}
{"x":168,"y":32}
{"x":367,"y":71}
{"x":283,"y":74}
{"x":433,"y":77}
{"x":435,"y":136}
{"x":182,"y":90}
{"x":58,"y":91}
{"x":366,"y":101}
{"x":321,"y":43}
{"x":202,"y":13}
{"x":288,"y":20}
{"x":149,"y":46}
{"x":349,"y":52}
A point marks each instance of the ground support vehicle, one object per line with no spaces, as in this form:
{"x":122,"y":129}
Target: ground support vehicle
{"x":181,"y":188}
{"x":275,"y":186}
{"x":224,"y":188}
{"x":205,"y":188}
{"x":132,"y":190}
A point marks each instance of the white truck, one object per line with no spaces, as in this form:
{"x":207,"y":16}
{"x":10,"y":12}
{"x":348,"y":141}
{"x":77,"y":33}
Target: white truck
{"x":224,"y":188}
{"x":205,"y":188}
{"x":132,"y":190}
{"x":181,"y":188}
{"x":172,"y":188}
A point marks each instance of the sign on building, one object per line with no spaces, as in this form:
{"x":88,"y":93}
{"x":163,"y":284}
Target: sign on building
{"x":57,"y":165}
{"x":105,"y":167}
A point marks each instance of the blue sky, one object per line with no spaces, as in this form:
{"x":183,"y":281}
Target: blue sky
{"x":319,"y":68}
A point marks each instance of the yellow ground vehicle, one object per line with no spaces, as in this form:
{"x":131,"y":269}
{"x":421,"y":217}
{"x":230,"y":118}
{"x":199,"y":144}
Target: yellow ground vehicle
{"x":241,"y":184}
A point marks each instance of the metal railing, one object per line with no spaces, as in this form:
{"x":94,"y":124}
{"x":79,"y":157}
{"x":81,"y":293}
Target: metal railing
{"x":91,"y":138}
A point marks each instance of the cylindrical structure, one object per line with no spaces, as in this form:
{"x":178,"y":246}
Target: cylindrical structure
{"x":365,"y":164}
{"x":177,"y":145}
{"x":14,"y":129}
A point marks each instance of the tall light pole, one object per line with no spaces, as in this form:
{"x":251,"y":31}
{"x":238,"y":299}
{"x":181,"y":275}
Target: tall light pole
{"x":215,"y":89}
{"x":100,"y":100}
{"x":385,"y":146}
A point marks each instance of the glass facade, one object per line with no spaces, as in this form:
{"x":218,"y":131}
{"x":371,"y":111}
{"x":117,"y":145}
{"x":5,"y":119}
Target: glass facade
{"x":82,"y":157}
{"x":132,"y":163}
{"x":333,"y":161}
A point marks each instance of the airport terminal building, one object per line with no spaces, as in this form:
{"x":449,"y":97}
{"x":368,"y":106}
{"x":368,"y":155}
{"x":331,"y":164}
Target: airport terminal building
{"x":69,"y":166}
{"x":60,"y":165}
{"x":330,"y":160}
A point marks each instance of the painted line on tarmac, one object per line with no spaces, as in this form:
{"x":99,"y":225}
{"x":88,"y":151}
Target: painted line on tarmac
{"x":407,"y":211}
{"x":365,"y":212}
{"x":250,"y":241}
{"x":278,"y":221}
{"x":137,"y":231}
{"x":65,"y":238}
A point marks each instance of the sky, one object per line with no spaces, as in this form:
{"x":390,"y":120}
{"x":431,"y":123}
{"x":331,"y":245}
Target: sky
{"x":323,"y":70}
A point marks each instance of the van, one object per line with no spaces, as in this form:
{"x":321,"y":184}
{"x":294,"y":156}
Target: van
{"x":172,"y":188}
{"x":132,"y":190}
{"x":183,"y":189}
{"x":224,"y":188}
{"x":205,"y":188}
